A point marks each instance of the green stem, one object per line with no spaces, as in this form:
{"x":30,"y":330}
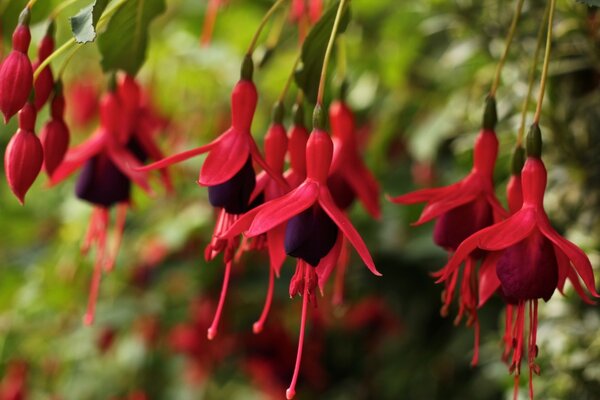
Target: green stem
{"x":61,"y":7}
{"x":264,"y":21}
{"x":71,"y":42}
{"x":509,"y":39}
{"x":336,"y":24}
{"x":544,"y":78}
{"x":289,"y":80}
{"x":536,"y":55}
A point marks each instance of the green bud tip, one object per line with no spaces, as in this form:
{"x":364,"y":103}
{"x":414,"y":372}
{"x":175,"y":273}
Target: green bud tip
{"x":518,"y":160}
{"x":247,"y":68}
{"x":298,"y":114}
{"x":490,"y":115}
{"x":58,"y":87}
{"x":51,"y":29}
{"x":318,"y":117}
{"x":344,"y":90}
{"x":112,"y":82}
{"x":278,"y":113}
{"x":25,"y":17}
{"x":534,"y":141}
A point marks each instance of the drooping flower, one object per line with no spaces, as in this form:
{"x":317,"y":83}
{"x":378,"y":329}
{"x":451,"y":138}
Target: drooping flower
{"x":531,"y":259}
{"x":460,"y":210}
{"x":45,"y":81}
{"x":24,"y":154}
{"x":16,"y":73}
{"x":82,"y":97}
{"x":55,"y":133}
{"x":313,"y":220}
{"x":109,"y":162}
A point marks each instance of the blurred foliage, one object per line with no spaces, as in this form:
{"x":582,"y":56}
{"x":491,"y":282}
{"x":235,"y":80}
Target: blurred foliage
{"x":418,"y":74}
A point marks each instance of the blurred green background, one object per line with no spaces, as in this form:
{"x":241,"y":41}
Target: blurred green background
{"x":419,"y":72}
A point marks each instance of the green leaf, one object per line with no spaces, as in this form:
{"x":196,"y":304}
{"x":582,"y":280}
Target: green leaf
{"x":123,"y":45}
{"x":590,"y":3}
{"x":83,"y":25}
{"x":308,"y":73}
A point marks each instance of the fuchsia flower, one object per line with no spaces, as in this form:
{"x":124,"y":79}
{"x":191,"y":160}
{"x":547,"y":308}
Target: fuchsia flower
{"x":45,"y":81}
{"x":462,"y":209}
{"x":530,"y":258}
{"x":82,"y":97}
{"x":108,"y":161}
{"x":24,"y":155}
{"x":313,"y":220}
{"x":16,"y":73}
{"x":55,"y":133}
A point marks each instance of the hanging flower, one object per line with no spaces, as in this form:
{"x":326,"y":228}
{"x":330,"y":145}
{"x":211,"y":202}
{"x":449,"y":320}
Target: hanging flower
{"x":531,"y":259}
{"x":16,"y":73}
{"x":55,"y":133}
{"x":45,"y":81}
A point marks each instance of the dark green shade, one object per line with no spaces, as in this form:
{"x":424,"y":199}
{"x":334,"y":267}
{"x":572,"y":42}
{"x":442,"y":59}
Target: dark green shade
{"x":534,"y":141}
{"x":517,"y":160}
{"x":490,"y":115}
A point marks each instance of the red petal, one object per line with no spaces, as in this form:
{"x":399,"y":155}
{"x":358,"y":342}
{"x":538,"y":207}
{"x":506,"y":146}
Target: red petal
{"x":574,"y":279}
{"x":328,"y":263}
{"x":243,"y":223}
{"x":563,"y":268}
{"x":154,"y":152}
{"x":451,"y":199}
{"x":177,"y":158}
{"x":257,"y":157}
{"x":488,"y":280}
{"x":77,"y":156}
{"x":578,"y":258}
{"x":365,"y":186}
{"x":129,"y":165}
{"x":461,"y":253}
{"x":261,"y":181}
{"x":275,"y":243}
{"x":340,"y":219}
{"x":420,"y":196}
{"x":508,"y":232}
{"x":500,"y":213}
{"x":277,"y":211}
{"x":226,"y":159}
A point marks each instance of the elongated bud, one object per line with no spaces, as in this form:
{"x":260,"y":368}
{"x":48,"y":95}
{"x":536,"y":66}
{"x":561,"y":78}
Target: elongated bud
{"x":55,"y":135}
{"x":24,"y":155}
{"x":16,"y":73}
{"x":490,"y":115}
{"x":534,"y":141}
{"x":45,"y":81}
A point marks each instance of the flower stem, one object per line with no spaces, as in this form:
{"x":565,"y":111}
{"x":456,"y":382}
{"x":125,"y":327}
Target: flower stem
{"x":509,"y":38}
{"x":336,"y":24}
{"x":544,"y":78}
{"x":536,"y":54}
{"x":290,"y":78}
{"x":264,"y":21}
{"x":31,"y":3}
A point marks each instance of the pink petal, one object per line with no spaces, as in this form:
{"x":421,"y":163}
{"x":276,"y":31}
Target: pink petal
{"x":275,"y":244}
{"x":242,"y":224}
{"x":280,"y":210}
{"x":506,"y":233}
{"x":226,"y":158}
{"x":261,"y":181}
{"x":488,"y":280}
{"x":441,"y":204}
{"x":340,"y":219}
{"x":177,"y":158}
{"x":462,"y":252}
{"x":500,"y":213}
{"x":578,"y":258}
{"x":78,"y":155}
{"x":574,"y":279}
{"x":419,"y":196}
{"x":258,"y":158}
{"x":563,"y":267}
{"x":365,"y":186}
{"x":328,"y":263}
{"x":154,"y":152}
{"x":127,"y":164}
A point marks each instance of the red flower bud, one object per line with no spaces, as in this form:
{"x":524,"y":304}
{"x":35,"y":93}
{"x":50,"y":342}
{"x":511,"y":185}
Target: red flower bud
{"x":24,"y":155}
{"x":16,"y":75}
{"x":55,"y":136}
{"x":45,"y":81}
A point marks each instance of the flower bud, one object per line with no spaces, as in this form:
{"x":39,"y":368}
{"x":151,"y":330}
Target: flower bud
{"x":45,"y":81}
{"x":24,"y":155}
{"x":16,"y":75}
{"x":55,"y":136}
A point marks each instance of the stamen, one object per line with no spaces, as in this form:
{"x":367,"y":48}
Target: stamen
{"x":212,"y":330}
{"x":119,"y":228}
{"x":258,"y":325}
{"x":91,"y":232}
{"x":475,"y":358}
{"x":291,"y":391}
{"x":101,"y":216}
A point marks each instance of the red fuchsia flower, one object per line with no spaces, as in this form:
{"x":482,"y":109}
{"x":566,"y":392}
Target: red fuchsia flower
{"x":531,"y":259}
{"x":24,"y":155}
{"x":45,"y":81}
{"x":305,"y":13}
{"x":462,"y":209}
{"x":110,"y":159}
{"x":298,"y":137}
{"x":55,"y":133}
{"x":313,"y":220}
{"x":16,"y":73}
{"x":14,"y":382}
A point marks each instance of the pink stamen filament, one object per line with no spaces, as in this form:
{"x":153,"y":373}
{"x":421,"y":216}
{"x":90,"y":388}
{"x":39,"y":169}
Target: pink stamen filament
{"x":291,"y":391}
{"x":212,"y":330}
{"x":258,"y":325}
{"x":119,"y":228}
{"x":101,"y":220}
